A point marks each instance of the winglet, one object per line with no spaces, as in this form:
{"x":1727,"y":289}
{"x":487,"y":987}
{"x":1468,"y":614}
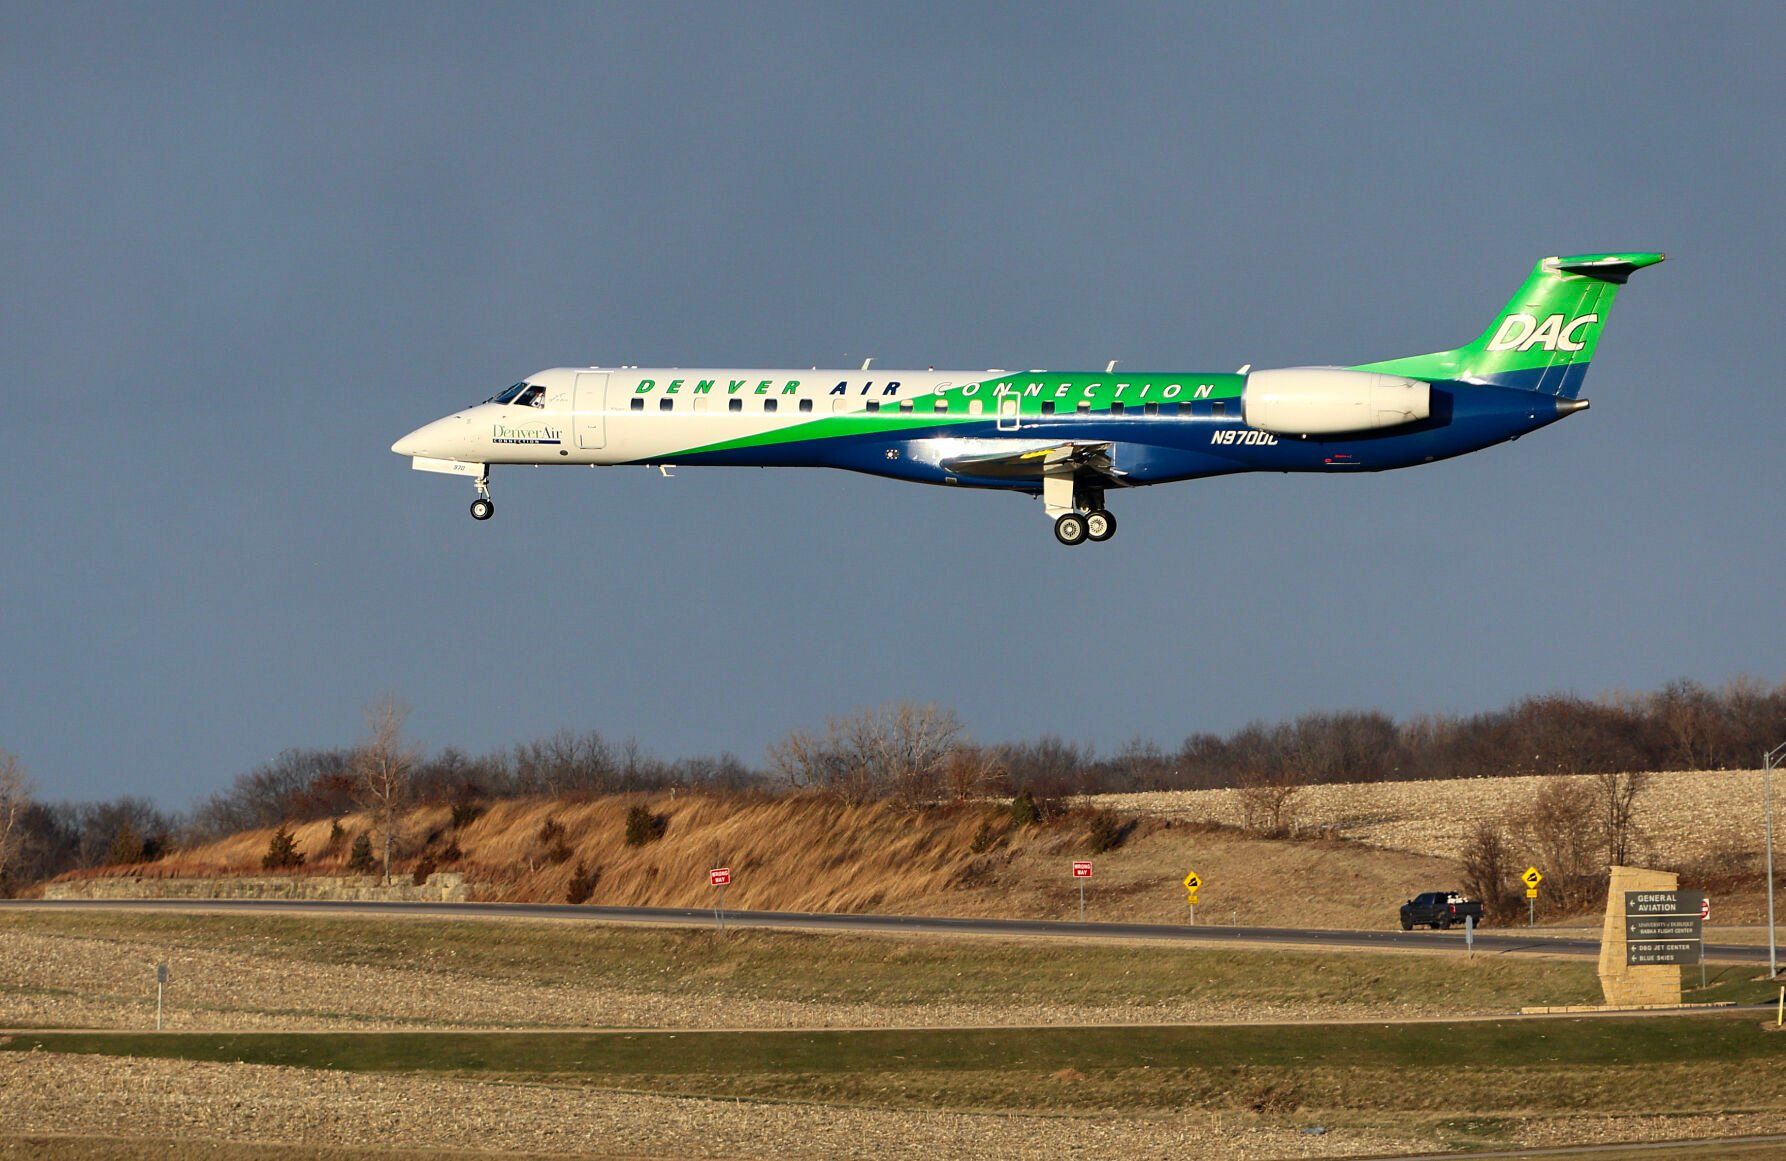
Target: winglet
{"x":1606,"y":267}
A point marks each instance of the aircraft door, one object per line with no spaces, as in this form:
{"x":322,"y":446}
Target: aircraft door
{"x":587,"y":415}
{"x":1007,"y":412}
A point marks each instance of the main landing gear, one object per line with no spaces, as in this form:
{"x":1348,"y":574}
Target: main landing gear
{"x":1077,"y":527}
{"x":1079,"y":513}
{"x":483,"y":507}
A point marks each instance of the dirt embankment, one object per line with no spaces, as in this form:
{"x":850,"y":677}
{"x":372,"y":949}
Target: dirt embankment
{"x":1385,"y":842}
{"x":812,"y":854}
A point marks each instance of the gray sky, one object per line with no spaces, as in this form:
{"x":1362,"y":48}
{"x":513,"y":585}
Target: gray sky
{"x":244,"y":248}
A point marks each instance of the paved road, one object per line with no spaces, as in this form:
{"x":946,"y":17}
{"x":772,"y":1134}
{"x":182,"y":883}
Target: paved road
{"x":1488,"y":942}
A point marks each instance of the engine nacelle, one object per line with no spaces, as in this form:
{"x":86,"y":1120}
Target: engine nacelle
{"x":1330,"y":401}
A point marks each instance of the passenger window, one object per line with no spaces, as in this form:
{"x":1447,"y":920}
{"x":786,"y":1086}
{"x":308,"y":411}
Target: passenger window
{"x":940,"y":405}
{"x":1047,"y":407}
{"x":905,"y":405}
{"x":734,"y":405}
{"x":1153,"y":408}
{"x":873,"y":405}
{"x":1117,"y":407}
{"x":768,"y":405}
{"x":666,"y":403}
{"x":1218,"y":408}
{"x":1085,"y":405}
{"x":976,"y":406}
{"x":806,"y":405}
{"x":638,"y":404}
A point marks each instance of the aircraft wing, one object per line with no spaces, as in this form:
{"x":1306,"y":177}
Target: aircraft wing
{"x":1076,"y":459}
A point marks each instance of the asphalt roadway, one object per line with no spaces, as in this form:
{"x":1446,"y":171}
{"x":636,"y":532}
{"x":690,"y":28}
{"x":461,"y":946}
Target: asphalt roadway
{"x":1488,"y":942}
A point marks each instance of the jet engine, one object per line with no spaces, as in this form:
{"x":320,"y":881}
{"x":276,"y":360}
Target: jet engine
{"x":1301,"y":401}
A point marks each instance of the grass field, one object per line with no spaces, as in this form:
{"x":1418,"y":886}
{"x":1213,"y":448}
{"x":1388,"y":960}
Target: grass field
{"x":1463,"y":1085}
{"x":1482,"y":1068}
{"x":791,"y":1044}
{"x":93,"y":969}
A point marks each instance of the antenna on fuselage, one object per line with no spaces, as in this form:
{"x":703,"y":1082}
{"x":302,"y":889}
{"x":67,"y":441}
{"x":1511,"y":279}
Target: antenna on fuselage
{"x":1110,"y":367}
{"x":867,"y":361}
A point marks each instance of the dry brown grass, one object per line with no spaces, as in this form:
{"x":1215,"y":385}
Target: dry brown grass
{"x":818,"y":854}
{"x":1381,"y":843}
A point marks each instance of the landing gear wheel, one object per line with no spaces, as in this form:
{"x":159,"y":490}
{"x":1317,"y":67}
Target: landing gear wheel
{"x":1070,"y":529}
{"x":482,"y":508}
{"x":1100,"y":525}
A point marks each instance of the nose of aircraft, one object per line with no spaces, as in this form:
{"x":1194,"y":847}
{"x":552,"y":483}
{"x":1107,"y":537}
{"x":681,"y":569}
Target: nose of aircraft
{"x":432,"y":439}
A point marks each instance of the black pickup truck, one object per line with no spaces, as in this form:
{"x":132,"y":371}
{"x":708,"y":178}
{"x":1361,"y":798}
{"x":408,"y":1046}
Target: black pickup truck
{"x":1440,"y":909}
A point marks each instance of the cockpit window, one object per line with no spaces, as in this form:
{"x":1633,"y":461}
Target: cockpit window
{"x":509,"y":395}
{"x":534,"y":396}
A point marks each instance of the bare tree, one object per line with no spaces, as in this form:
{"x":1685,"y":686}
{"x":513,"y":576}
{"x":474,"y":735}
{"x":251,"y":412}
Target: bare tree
{"x":382,"y":768}
{"x":894,"y":750}
{"x":1488,"y":871}
{"x":1618,"y":812}
{"x":15,"y":797}
{"x":1559,"y":830}
{"x":1271,"y":801}
{"x":970,"y":771}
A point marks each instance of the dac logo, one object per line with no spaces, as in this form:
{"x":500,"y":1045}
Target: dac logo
{"x":1522,"y":332}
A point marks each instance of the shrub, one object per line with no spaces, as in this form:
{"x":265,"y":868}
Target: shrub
{"x":642,"y":826}
{"x":451,"y":852}
{"x":582,"y":884}
{"x":465,"y":813}
{"x":359,"y":859}
{"x":282,"y":852}
{"x":126,"y":847}
{"x":1109,"y":831}
{"x":551,"y":837}
{"x":1024,"y":811}
{"x":1488,"y":873}
{"x":425,"y":867}
{"x":337,"y":836}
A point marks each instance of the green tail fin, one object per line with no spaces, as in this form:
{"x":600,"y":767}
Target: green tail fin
{"x":1545,"y":337}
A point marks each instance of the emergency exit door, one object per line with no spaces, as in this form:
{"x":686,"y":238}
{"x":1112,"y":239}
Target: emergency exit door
{"x":588,"y":414}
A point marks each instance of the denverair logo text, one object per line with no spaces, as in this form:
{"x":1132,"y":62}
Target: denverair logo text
{"x":1522,"y":332}
{"x":502,"y":433}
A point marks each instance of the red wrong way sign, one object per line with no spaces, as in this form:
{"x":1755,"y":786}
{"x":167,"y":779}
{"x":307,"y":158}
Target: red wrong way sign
{"x":1082,"y":868}
{"x":719,"y":876}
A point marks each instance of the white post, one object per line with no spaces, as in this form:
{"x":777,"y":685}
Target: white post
{"x":1082,"y":900}
{"x":159,"y":988}
{"x":719,"y":908}
{"x":1767,"y":774}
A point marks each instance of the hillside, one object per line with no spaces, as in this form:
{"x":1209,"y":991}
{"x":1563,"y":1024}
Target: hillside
{"x":1681,"y":817}
{"x":1380,"y":843}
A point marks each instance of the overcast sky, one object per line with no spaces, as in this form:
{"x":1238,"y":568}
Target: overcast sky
{"x":245,"y":247}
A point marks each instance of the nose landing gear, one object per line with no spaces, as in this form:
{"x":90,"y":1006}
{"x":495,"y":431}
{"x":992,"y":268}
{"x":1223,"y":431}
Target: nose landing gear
{"x":483,"y":507}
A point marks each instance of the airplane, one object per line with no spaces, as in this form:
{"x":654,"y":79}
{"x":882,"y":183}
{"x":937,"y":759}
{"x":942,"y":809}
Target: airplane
{"x":1065,"y":437}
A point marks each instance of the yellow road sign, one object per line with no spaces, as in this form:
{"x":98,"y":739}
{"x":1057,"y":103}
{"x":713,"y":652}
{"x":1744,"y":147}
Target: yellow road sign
{"x":1532,"y":878}
{"x":1191,"y":898}
{"x":1531,"y":892}
{"x":1192,"y":882}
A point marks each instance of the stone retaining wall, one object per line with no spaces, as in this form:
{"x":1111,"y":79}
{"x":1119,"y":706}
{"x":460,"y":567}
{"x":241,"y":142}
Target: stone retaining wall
{"x":441,"y":887}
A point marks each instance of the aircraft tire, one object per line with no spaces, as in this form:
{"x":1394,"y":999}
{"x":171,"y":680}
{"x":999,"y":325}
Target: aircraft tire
{"x":1070,"y":529}
{"x":1099,"y":525}
{"x":482,"y":509}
